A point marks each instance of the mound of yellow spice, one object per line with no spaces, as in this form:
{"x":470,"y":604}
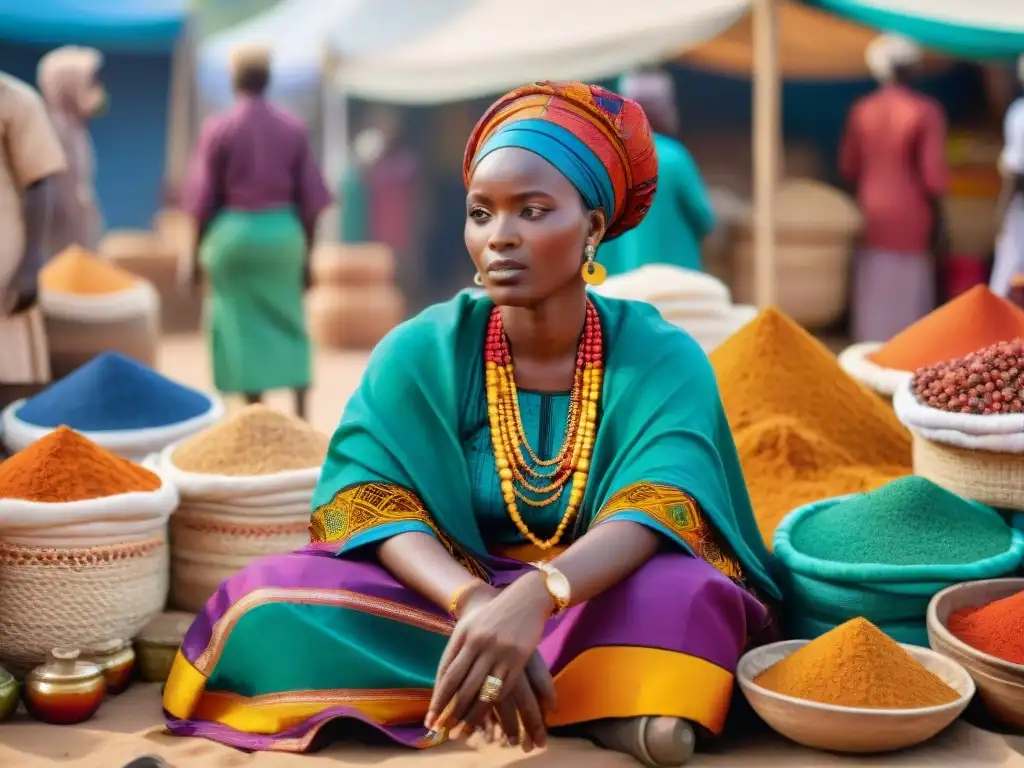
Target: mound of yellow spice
{"x":64,"y":466}
{"x":804,"y":429}
{"x":255,"y":440}
{"x":857,"y":665}
{"x":74,"y":270}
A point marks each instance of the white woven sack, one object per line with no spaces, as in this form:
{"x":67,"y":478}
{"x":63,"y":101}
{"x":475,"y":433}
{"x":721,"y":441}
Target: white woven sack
{"x":236,"y":516}
{"x":133,"y":444}
{"x":885,"y":381}
{"x":263,"y":514}
{"x":84,"y":535}
{"x":238,"y":490}
{"x":662,"y":283}
{"x":140,"y":299}
{"x":998,"y":433}
{"x":680,"y":310}
{"x":154,"y":506}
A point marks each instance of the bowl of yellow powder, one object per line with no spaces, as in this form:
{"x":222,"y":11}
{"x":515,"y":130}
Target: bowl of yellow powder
{"x":854,"y":689}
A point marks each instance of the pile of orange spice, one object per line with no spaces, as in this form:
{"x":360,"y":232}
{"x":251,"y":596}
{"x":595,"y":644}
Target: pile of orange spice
{"x":76,"y":271}
{"x":975,"y":319}
{"x":996,"y":628}
{"x":857,"y":665}
{"x":64,"y":466}
{"x":804,"y":429}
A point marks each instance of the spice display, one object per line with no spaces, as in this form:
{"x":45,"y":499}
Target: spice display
{"x":996,"y":629}
{"x":74,"y":270}
{"x":113,"y":392}
{"x":985,"y":382}
{"x":116,"y":659}
{"x":255,"y":440}
{"x":65,"y":690}
{"x":804,"y":429}
{"x":910,"y":521}
{"x":974,"y":319}
{"x":857,"y":665}
{"x":64,"y":466}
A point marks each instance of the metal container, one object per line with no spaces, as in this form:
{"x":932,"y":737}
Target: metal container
{"x":65,"y":690}
{"x":116,"y":658}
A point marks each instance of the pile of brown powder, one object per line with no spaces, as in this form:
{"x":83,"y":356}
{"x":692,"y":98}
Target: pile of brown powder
{"x":256,"y":440}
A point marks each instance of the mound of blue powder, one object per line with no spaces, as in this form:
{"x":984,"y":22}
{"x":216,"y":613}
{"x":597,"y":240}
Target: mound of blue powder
{"x":113,"y":392}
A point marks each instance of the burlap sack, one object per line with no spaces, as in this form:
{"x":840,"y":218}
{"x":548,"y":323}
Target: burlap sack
{"x":74,"y":342}
{"x":353,"y":264}
{"x":353,"y":318}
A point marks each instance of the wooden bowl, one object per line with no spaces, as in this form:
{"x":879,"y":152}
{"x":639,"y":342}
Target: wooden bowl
{"x":1000,"y":683}
{"x":851,"y":729}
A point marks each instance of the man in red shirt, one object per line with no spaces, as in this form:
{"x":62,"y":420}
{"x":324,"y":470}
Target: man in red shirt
{"x":893,"y":153}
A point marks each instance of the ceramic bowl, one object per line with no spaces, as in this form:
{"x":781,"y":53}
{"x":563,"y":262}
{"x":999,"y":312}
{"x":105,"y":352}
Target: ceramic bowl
{"x":851,"y":729}
{"x":1000,"y":683}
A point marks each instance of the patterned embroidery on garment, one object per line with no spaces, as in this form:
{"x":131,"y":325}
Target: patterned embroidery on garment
{"x":361,"y":507}
{"x":681,"y":514}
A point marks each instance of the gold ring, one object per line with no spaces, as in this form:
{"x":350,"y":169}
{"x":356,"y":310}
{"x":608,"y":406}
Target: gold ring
{"x":491,"y":689}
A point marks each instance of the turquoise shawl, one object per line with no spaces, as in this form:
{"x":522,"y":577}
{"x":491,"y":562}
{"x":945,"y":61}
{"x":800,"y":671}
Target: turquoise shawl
{"x":662,"y":421}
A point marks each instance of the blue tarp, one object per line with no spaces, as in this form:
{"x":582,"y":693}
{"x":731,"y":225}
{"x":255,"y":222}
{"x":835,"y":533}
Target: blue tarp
{"x":983,"y":30}
{"x":127,"y":25}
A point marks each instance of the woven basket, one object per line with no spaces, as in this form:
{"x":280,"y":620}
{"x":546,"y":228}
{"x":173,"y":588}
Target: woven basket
{"x":996,"y":479}
{"x":206,"y":549}
{"x":77,"y":597}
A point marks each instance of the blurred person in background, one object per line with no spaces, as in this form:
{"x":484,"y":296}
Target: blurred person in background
{"x":893,"y":154}
{"x":69,"y":78}
{"x":256,"y":193}
{"x":31,"y":161}
{"x":681,"y":215}
{"x":1010,"y":244}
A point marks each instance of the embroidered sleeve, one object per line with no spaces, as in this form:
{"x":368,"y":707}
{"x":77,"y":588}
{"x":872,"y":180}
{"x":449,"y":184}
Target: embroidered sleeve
{"x":374,"y":511}
{"x":675,"y":512}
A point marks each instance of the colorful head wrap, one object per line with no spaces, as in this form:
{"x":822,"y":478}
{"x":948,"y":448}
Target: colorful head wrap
{"x":599,"y":140}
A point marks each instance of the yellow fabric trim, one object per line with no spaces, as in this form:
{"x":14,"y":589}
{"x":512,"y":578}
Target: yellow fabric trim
{"x":278,"y":712}
{"x":360,"y":508}
{"x":184,"y":688}
{"x":680,"y":513}
{"x":631,"y":681}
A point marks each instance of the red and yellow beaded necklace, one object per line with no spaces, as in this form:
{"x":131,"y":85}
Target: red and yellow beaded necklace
{"x":572,"y":462}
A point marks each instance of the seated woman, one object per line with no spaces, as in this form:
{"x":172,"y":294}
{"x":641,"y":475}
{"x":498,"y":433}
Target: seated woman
{"x":532,"y":512}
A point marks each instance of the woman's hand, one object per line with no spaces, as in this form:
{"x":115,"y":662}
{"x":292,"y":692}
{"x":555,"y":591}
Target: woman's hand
{"x":521,"y":713}
{"x":496,"y":637}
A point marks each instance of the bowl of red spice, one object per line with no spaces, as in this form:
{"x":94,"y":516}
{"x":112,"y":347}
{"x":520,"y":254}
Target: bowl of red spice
{"x":854,"y":689}
{"x":980,"y":624}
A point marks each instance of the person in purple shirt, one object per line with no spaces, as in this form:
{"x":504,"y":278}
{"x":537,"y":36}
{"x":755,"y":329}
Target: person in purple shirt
{"x":256,"y":192}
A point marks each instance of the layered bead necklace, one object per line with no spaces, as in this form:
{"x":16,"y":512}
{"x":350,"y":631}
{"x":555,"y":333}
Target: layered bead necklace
{"x":543,"y":478}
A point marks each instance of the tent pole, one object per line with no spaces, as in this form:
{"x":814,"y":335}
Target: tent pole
{"x":335,"y":142}
{"x":767,"y":144}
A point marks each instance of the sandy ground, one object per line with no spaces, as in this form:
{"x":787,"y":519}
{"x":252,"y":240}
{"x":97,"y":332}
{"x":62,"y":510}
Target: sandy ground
{"x":336,"y":376}
{"x":131,"y":725}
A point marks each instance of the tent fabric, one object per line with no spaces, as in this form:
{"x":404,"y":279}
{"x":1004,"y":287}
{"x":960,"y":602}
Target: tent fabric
{"x":814,"y":46}
{"x":492,"y":45}
{"x":106,"y":24}
{"x":986,"y":30}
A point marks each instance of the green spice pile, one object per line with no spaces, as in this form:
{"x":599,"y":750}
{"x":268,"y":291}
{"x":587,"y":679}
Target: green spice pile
{"x":985,"y":382}
{"x":910,"y":521}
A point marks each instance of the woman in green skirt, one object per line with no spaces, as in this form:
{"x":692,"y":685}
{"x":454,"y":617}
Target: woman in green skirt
{"x":256,"y":192}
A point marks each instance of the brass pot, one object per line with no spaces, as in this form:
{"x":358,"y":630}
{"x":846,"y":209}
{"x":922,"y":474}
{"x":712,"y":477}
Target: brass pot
{"x":8,"y":695}
{"x":116,"y":659}
{"x":65,"y":690}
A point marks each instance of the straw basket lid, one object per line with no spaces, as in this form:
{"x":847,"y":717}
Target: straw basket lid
{"x":852,"y":729}
{"x":806,"y":205}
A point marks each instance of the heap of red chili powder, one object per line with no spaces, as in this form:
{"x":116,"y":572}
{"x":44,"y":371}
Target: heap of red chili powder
{"x":996,"y":629}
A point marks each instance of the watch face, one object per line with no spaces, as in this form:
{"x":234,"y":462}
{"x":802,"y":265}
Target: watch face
{"x":559,"y":586}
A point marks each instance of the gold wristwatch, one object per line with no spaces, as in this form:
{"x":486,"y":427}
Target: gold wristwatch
{"x":556,"y":584}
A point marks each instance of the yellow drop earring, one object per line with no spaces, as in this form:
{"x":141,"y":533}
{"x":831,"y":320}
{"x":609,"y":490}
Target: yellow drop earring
{"x":593,"y":273}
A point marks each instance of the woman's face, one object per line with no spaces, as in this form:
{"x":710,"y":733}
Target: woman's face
{"x":526,"y":228}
